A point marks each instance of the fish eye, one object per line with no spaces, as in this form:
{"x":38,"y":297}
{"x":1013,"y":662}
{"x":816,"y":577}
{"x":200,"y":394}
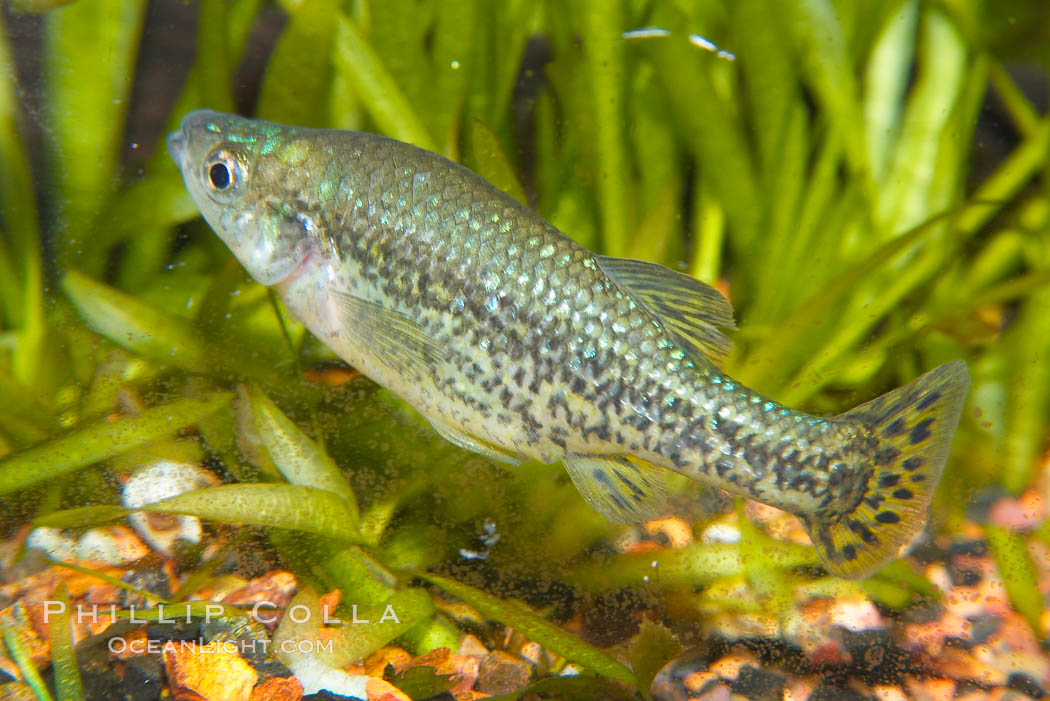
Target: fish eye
{"x":223,"y":174}
{"x":220,"y":176}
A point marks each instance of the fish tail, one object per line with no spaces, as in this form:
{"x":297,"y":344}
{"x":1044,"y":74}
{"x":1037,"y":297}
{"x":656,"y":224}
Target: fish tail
{"x":909,"y":432}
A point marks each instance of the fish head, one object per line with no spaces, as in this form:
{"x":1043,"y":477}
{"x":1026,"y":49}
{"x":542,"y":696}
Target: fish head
{"x":241,"y":173}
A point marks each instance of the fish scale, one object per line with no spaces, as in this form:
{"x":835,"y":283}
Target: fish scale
{"x":516,"y":342}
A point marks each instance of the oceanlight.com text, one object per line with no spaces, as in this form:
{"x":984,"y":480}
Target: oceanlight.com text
{"x":250,"y":646}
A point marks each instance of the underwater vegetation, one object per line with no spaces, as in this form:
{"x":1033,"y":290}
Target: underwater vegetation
{"x":865,"y":180}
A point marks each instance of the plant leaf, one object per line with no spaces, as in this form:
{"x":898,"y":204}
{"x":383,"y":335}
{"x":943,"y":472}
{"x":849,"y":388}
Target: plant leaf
{"x":652,"y":648}
{"x":68,"y":686}
{"x":14,"y":637}
{"x":131,"y":323}
{"x":601,"y":28}
{"x":299,"y":70}
{"x":91,"y":49}
{"x":364,"y":69}
{"x":492,"y":162}
{"x":297,"y":457}
{"x":581,"y":688}
{"x":102,"y":439}
{"x":21,"y":267}
{"x":278,"y":505}
{"x":81,"y":517}
{"x":421,"y":681}
{"x":1019,"y":575}
{"x":534,"y":627}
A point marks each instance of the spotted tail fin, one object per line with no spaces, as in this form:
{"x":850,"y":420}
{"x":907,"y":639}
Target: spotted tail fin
{"x":912,"y":429}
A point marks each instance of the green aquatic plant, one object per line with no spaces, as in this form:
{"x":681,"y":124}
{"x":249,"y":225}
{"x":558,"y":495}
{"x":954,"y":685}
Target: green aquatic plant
{"x":824,"y":175}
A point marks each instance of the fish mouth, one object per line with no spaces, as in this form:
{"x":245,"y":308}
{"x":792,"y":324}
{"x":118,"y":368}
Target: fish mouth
{"x":177,"y":145}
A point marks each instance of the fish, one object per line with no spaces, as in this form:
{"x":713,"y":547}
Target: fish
{"x":517,"y":343}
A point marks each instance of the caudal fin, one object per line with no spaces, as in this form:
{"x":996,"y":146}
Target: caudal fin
{"x":911,"y":430}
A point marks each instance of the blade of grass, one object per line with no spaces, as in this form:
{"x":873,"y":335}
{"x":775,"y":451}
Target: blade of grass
{"x":885,"y":83}
{"x":822,"y":45}
{"x":20,"y":429}
{"x":275,"y":505}
{"x":946,"y":314}
{"x":353,"y":570}
{"x":30,"y":406}
{"x":652,"y":648}
{"x":713,"y":134}
{"x":1023,"y":113}
{"x":10,"y":291}
{"x":1008,"y":290}
{"x":215,"y":84}
{"x":364,"y":69}
{"x":135,"y":325}
{"x":451,"y":64}
{"x":1002,"y":186}
{"x":658,"y":230}
{"x":101,"y":440}
{"x":298,"y":73}
{"x":1018,"y":574}
{"x":81,"y":517}
{"x":492,"y":162}
{"x":769,"y":67}
{"x":1027,"y":410}
{"x":530,"y":624}
{"x":22,"y":266}
{"x":398,"y":32}
{"x":823,"y":190}
{"x":298,"y":458}
{"x":402,"y":611}
{"x":779,"y":282}
{"x":89,"y":62}
{"x":601,"y":27}
{"x":905,"y":199}
{"x":68,"y":686}
{"x":109,"y":579}
{"x":856,"y":325}
{"x":12,"y":634}
{"x":770,"y":364}
{"x":949,"y":184}
{"x":1008,"y":179}
{"x":581,"y":688}
{"x":141,"y":216}
{"x":497,"y":57}
{"x":687,"y":567}
{"x":708,"y":234}
{"x":655,"y":149}
{"x":432,"y":634}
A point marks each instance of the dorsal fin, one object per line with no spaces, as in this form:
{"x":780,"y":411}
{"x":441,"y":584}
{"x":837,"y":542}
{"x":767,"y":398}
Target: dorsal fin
{"x":690,"y":309}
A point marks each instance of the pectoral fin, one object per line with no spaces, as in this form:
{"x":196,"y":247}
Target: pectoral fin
{"x":623,"y":489}
{"x":401,"y":343}
{"x":691,"y":310}
{"x":474,"y":444}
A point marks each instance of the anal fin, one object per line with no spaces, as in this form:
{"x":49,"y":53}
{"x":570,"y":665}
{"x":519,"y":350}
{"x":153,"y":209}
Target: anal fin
{"x":621,"y":488}
{"x":474,"y":444}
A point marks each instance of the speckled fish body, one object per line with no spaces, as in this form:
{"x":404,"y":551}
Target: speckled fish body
{"x":516,"y":342}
